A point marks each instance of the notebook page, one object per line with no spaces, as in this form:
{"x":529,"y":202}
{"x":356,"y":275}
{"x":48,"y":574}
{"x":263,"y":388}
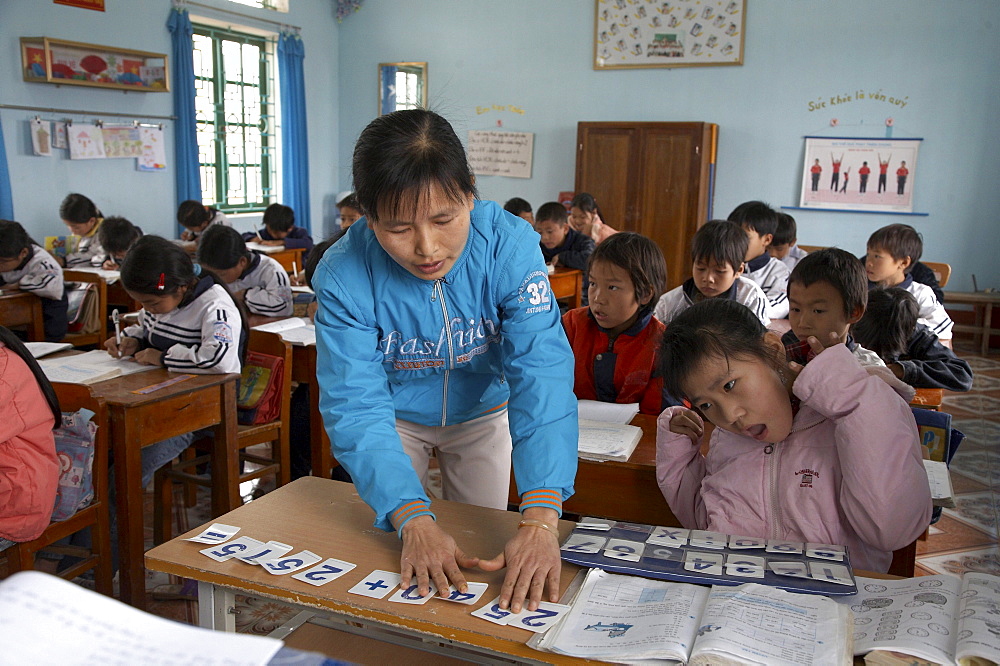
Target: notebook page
{"x":609,"y":412}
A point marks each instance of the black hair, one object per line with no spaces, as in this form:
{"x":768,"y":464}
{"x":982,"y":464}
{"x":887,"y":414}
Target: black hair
{"x":517,"y":206}
{"x":78,"y":209}
{"x":900,"y":241}
{"x":117,"y":235}
{"x":156,"y":266}
{"x":222,"y":247}
{"x":587,"y":203}
{"x":13,"y":239}
{"x":721,"y":240}
{"x":351,"y":201}
{"x":841,"y":270}
{"x":315,"y":255}
{"x":786,"y":232}
{"x":709,"y":328}
{"x":641,"y":258}
{"x":888,"y":323}
{"x":553,"y":211}
{"x":12,"y":342}
{"x":400,"y":155}
{"x":757,"y":216}
{"x":278,"y":217}
{"x":191,"y":213}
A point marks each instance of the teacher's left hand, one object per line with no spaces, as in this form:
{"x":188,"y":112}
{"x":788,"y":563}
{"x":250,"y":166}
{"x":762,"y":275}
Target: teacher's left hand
{"x":532,"y":561}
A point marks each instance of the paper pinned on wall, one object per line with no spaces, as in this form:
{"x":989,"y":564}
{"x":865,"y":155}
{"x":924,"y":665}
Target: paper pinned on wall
{"x":86,"y":142}
{"x":59,"y":139}
{"x":154,"y":155}
{"x":122,"y":142}
{"x":501,"y":153}
{"x":41,"y":130}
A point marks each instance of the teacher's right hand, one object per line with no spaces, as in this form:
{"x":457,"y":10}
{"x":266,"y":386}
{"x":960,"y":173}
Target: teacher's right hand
{"x":430,"y":554}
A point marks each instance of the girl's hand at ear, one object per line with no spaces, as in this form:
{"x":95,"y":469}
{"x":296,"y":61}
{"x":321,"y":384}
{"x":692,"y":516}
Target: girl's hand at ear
{"x":688,"y":422}
{"x":794,"y":369}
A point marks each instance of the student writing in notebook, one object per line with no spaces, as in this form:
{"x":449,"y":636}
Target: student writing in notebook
{"x":25,"y":266}
{"x":280,"y":229}
{"x":436,"y":331}
{"x":823,"y":453}
{"x":117,"y":236}
{"x":196,"y":217}
{"x":83,"y":219}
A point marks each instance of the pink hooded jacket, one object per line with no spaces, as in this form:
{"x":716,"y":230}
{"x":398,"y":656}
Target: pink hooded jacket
{"x":849,"y":473}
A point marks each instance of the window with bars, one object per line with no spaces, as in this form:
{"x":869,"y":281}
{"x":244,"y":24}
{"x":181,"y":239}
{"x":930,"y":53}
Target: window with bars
{"x":235,"y":113}
{"x":277,"y":5}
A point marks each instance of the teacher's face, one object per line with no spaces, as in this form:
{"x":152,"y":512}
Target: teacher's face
{"x":427,"y":240}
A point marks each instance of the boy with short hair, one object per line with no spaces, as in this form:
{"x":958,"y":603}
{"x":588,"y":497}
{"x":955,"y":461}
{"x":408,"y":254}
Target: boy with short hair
{"x":521,"y":208}
{"x":117,"y":236}
{"x":892,"y":252}
{"x":760,"y":221}
{"x":561,"y":244}
{"x":827,"y":293}
{"x":279,"y":229}
{"x":783,"y":246}
{"x":717,"y":253}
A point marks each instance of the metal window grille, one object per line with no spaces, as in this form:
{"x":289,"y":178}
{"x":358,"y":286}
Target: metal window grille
{"x":234,"y":109}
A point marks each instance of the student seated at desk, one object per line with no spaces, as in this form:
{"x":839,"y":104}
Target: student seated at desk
{"x":521,"y":208}
{"x":561,"y":244}
{"x":279,"y":229}
{"x":256,"y":280}
{"x":585,"y":216}
{"x":717,"y":252}
{"x":29,"y":468}
{"x":196,"y":217}
{"x":26,"y":266}
{"x":846,"y":443}
{"x":189,"y":322}
{"x":83,"y":219}
{"x":889,"y":328}
{"x":614,"y":339}
{"x":783,"y":246}
{"x":117,"y":236}
{"x":760,"y":221}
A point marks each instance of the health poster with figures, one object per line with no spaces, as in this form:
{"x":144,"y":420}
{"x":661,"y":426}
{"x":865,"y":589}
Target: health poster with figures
{"x":679,"y":33}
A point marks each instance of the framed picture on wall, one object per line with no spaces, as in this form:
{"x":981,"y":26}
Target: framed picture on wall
{"x":679,"y":33}
{"x":858,"y":174}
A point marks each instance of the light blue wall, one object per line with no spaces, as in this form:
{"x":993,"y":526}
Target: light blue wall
{"x":40,"y":183}
{"x":940,"y":57}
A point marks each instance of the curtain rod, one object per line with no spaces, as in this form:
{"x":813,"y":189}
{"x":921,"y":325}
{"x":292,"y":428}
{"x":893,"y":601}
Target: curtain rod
{"x":183,"y":3}
{"x":81,"y":112}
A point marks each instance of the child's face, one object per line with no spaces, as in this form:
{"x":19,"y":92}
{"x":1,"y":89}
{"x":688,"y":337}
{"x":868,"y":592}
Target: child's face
{"x":743,"y":395}
{"x":159,"y":304}
{"x":81,"y":228}
{"x":528,"y":217}
{"x":429,"y":240}
{"x":883,"y":269}
{"x":277,"y":235}
{"x":713,"y":277}
{"x":553,"y":234}
{"x":612,"y":297}
{"x":779,"y":251}
{"x":818,"y":310}
{"x":581,"y":220}
{"x":230,"y":275}
{"x":348,"y":216}
{"x":758,"y":243}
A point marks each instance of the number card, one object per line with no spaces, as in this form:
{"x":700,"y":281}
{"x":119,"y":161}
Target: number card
{"x":834,"y":573}
{"x":793,"y":569}
{"x":267,"y":551}
{"x":581,"y":543}
{"x":377,"y":584}
{"x":410,"y":595}
{"x":746,"y":543}
{"x":324,"y":572}
{"x":621,"y":549}
{"x":706,"y":539}
{"x":594,"y":524}
{"x":216,"y":533}
{"x":492,"y":612}
{"x":473,"y":593}
{"x":784,"y":547}
{"x":663,"y":553}
{"x":539,"y":620}
{"x":672,"y":537}
{"x":703,"y":563}
{"x":280,"y":566}
{"x":823,"y":551}
{"x":745,"y":566}
{"x":223,"y":552}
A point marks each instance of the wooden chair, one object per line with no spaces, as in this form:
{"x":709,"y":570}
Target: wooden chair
{"x":101,"y":289}
{"x":96,"y":516}
{"x":941,"y":271}
{"x":276,"y":432}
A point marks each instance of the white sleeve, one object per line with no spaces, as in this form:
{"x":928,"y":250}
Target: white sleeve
{"x":44,"y":278}
{"x":273,"y":296}
{"x":933,"y":315}
{"x":219,"y":351}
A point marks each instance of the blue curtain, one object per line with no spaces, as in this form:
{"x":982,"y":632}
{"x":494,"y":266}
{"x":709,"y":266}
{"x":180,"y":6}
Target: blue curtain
{"x":186,"y":138}
{"x":295,"y":138}
{"x":6,"y":196}
{"x":388,"y":89}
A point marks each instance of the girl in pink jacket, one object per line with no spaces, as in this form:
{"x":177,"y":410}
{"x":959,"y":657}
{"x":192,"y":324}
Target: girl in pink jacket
{"x":823,"y":453}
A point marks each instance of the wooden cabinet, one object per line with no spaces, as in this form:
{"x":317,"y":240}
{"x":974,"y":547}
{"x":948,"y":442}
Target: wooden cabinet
{"x":652,"y":178}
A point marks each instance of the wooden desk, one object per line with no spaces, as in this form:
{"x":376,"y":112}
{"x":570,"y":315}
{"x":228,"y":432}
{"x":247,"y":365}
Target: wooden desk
{"x":982,"y":303}
{"x":328,"y":518}
{"x":138,"y":420}
{"x":928,"y":399}
{"x":304,"y":372}
{"x":22,"y":308}
{"x":286,"y":256}
{"x":567,"y":283}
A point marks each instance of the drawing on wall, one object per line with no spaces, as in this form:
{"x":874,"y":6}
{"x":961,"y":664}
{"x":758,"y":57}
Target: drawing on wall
{"x":873,"y":175}
{"x":154,"y":155}
{"x":41,"y":133}
{"x":680,"y":33}
{"x":59,"y":139}
{"x":122,"y":142}
{"x":86,"y":142}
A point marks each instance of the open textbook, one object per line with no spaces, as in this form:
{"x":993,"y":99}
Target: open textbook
{"x":47,"y":620}
{"x":90,"y":367}
{"x":295,"y":330}
{"x":625,"y":618}
{"x":600,"y":440}
{"x":607,"y":412}
{"x":941,"y":619}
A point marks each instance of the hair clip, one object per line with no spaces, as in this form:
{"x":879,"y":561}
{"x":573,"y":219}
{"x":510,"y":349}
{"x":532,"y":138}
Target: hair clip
{"x":159,"y":285}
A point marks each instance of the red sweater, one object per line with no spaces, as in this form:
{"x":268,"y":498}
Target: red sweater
{"x":621,"y":372}
{"x":29,"y":470}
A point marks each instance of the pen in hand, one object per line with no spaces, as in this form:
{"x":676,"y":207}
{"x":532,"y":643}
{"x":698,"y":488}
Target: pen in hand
{"x":118,"y":331}
{"x":295,"y":271}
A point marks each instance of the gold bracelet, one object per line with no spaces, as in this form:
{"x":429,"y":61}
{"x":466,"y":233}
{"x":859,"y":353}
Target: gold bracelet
{"x":529,"y":522}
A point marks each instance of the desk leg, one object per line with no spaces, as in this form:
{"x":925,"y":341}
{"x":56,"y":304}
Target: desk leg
{"x":319,"y":443}
{"x":216,"y":607}
{"x":128,"y":506}
{"x":225,"y":476}
{"x":987,"y":329}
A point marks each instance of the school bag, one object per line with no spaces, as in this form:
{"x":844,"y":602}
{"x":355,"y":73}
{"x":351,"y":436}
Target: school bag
{"x":75,"y":452}
{"x":258,"y":399}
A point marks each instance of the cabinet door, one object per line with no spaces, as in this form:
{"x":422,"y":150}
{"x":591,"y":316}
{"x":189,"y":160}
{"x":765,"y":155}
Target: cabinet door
{"x":605,"y":153}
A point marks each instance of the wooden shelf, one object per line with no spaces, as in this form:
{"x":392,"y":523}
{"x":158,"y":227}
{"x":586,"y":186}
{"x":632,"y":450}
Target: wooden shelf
{"x":57,"y":61}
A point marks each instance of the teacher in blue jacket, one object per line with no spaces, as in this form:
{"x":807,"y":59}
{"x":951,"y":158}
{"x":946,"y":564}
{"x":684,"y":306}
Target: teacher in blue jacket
{"x":436,"y":331}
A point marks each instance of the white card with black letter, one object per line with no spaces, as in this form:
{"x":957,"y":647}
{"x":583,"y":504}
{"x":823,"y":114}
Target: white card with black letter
{"x":377,"y":584}
{"x":411,"y":596}
{"x":324,"y":572}
{"x":217,"y":533}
